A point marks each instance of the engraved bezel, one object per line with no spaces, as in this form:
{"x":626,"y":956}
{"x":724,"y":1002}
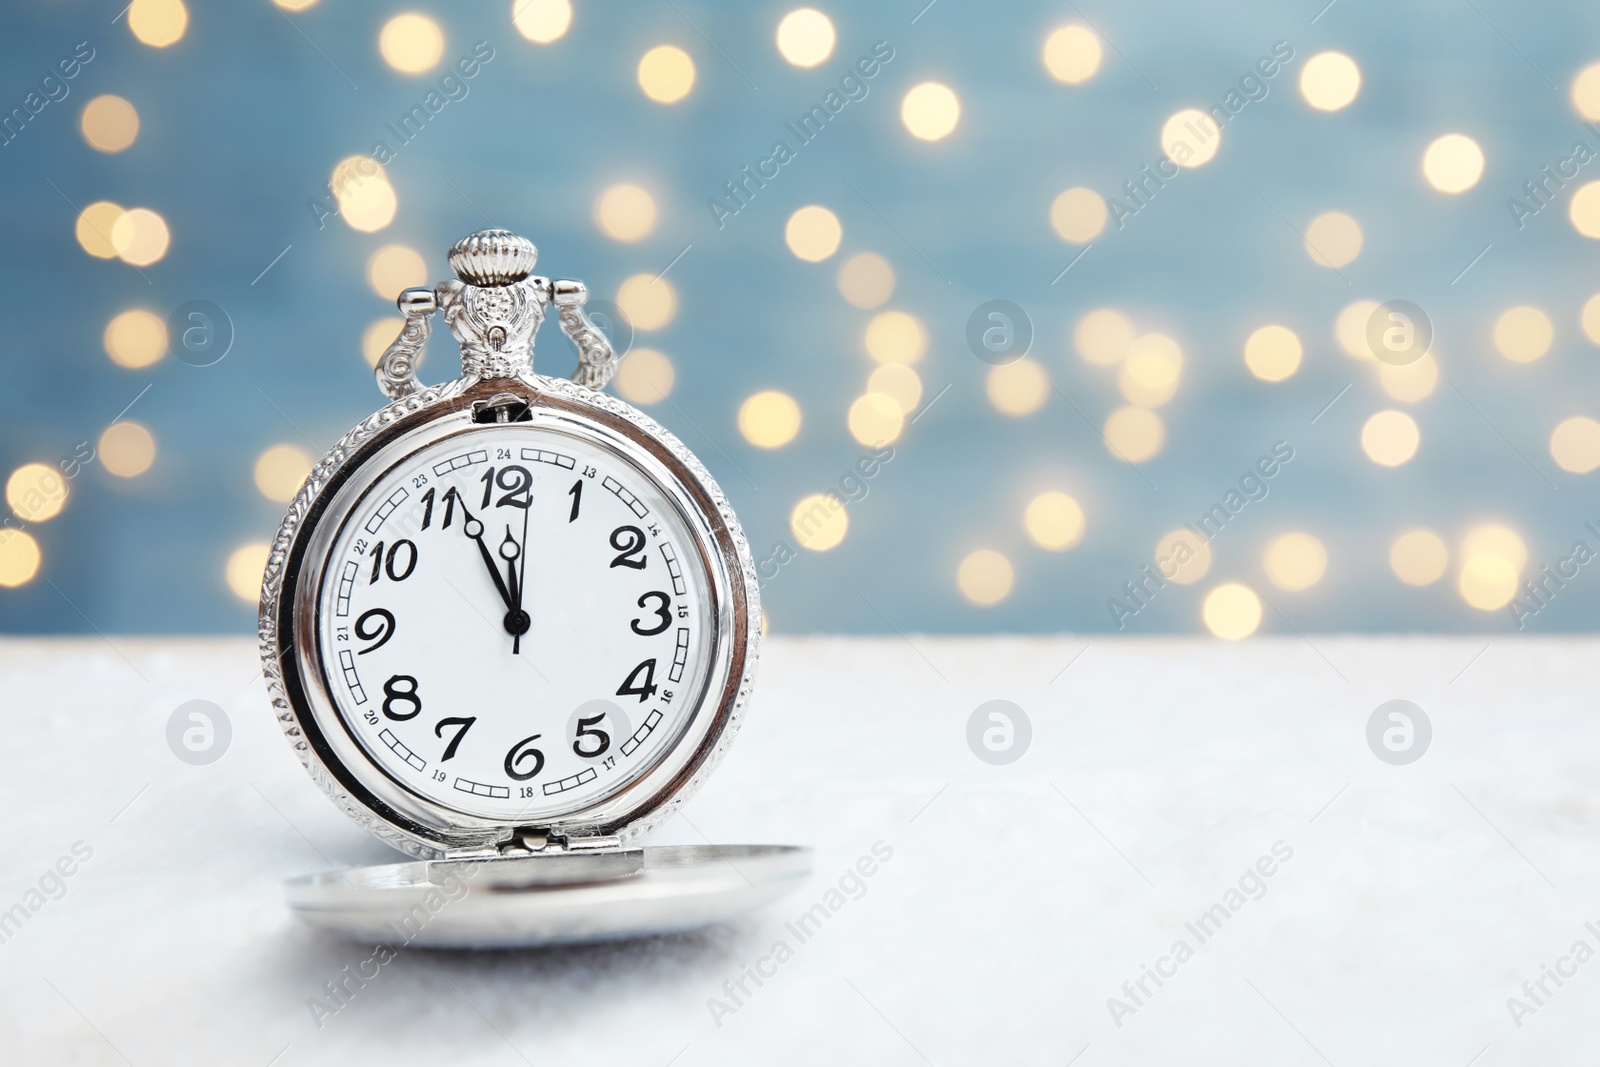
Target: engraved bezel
{"x":296,"y":675}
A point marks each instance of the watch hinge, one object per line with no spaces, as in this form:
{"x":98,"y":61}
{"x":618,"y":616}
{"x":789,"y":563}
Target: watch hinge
{"x":542,"y":841}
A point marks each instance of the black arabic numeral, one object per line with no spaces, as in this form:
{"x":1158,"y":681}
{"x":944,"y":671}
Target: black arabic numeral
{"x":393,"y":694}
{"x":585,"y":731}
{"x":427,"y":509}
{"x":438,"y":731}
{"x":520,"y":752}
{"x":386,"y":564}
{"x":632,"y":687}
{"x":662,"y":612}
{"x":576,"y":493}
{"x":378,"y":634}
{"x":629,"y":543}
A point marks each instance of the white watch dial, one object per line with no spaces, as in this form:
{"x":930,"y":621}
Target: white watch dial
{"x":514,"y":623}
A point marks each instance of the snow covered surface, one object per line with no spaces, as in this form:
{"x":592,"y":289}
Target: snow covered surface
{"x":1014,"y":903}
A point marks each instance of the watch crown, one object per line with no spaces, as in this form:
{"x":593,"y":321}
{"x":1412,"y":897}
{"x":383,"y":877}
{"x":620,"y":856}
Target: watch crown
{"x":491,"y":258}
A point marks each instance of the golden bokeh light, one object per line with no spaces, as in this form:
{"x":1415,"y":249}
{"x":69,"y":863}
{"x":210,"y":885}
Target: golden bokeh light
{"x":135,"y":338}
{"x":1191,"y":137}
{"x":769,"y":419}
{"x":896,"y":337}
{"x":1496,"y":539}
{"x":1333,"y":239}
{"x":19,"y":558}
{"x":930,"y":111}
{"x":985,"y":577}
{"x":246,"y":567}
{"x":1584,"y":209}
{"x":1071,"y":54}
{"x":294,"y":5}
{"x":819,"y":522}
{"x":1018,"y":388}
{"x":813,"y":233}
{"x":1078,"y":215}
{"x":127,"y":449}
{"x":541,"y":21}
{"x":1295,"y":561}
{"x":645,"y":376}
{"x":805,"y":37}
{"x":1492,"y":560}
{"x":1330,"y":81}
{"x":866,"y":280}
{"x":36,"y":492}
{"x":1590,"y":318}
{"x":1412,"y":381}
{"x":378,"y":336}
{"x":367,"y":201}
{"x":280,"y":471}
{"x":1575,"y":444}
{"x":1453,"y":163}
{"x":393,"y":268}
{"x":1150,"y":374}
{"x":140,"y":236}
{"x":158,"y":23}
{"x":1523,"y":334}
{"x":648,"y":301}
{"x":898,"y":382}
{"x":1586,"y":92}
{"x":1054,"y":521}
{"x":666,"y":74}
{"x":411,"y":43}
{"x":1134,"y":435}
{"x":109,"y":123}
{"x":1272,"y":353}
{"x":1419,"y":557}
{"x":1487,"y":582}
{"x":875,"y":420}
{"x":1103,"y":336}
{"x":1232,"y":611}
{"x":1390,"y":438}
{"x":1183,"y":556}
{"x":94,"y":226}
{"x":1350,"y":330}
{"x":625,"y":213}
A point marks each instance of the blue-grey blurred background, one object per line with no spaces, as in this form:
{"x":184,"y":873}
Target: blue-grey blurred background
{"x":219,"y":203}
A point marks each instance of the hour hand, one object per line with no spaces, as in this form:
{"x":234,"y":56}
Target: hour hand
{"x":474,"y":529}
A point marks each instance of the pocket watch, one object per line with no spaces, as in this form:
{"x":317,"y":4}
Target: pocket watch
{"x":509,"y":625}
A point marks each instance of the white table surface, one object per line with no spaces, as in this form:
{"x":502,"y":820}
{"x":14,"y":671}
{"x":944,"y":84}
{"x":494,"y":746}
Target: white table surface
{"x":1018,"y":898}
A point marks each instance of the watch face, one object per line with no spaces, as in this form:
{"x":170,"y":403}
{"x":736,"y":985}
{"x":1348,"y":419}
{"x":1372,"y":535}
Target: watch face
{"x":514,"y":622}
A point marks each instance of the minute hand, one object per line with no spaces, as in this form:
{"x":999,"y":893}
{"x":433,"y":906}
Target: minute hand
{"x":474,"y":529}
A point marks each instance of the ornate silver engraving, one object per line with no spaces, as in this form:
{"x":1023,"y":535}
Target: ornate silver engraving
{"x":495,"y":307}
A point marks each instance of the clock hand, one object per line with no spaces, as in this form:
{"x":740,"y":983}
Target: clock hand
{"x":474,"y":530}
{"x":517,"y":620}
{"x":521,"y":577}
